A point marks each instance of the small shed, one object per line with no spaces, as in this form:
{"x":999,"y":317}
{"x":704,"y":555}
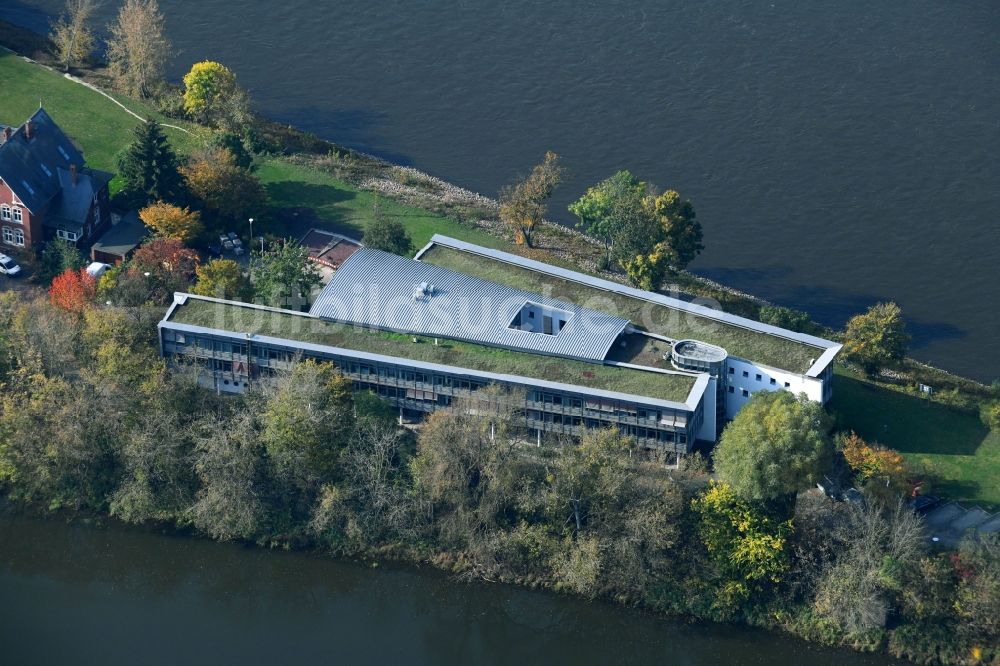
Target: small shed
{"x":118,"y":242}
{"x":327,"y":248}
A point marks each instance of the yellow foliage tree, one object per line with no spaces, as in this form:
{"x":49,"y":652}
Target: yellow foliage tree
{"x":874,"y":462}
{"x":169,"y":221}
{"x":215,"y":178}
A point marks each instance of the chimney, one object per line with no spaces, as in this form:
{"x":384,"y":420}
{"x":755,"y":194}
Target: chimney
{"x":27,"y":130}
{"x":72,"y":174}
{"x":6,"y":134}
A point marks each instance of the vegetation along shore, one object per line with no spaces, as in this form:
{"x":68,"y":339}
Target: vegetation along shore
{"x":93,"y":420}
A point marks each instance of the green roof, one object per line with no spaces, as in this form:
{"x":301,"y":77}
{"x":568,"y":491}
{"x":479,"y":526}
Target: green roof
{"x":239,"y":318}
{"x":756,"y":346}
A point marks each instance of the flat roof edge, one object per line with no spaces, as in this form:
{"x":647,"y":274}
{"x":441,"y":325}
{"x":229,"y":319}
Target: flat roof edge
{"x":608,"y":285}
{"x":824,"y":361}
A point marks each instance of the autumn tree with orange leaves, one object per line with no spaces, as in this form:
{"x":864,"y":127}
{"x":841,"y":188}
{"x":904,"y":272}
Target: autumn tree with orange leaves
{"x":73,"y":290}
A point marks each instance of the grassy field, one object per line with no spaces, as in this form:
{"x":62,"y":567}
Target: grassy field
{"x":97,"y":125}
{"x":766,"y":349}
{"x":346,"y":209}
{"x":953,"y":445}
{"x":450,"y":352}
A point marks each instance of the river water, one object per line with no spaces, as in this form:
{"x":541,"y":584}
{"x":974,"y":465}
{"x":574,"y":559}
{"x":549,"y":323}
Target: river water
{"x":76,"y":594}
{"x":838,"y":153}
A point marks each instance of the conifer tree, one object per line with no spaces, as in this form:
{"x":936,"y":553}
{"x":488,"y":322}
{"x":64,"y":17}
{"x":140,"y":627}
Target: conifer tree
{"x":149,"y":167}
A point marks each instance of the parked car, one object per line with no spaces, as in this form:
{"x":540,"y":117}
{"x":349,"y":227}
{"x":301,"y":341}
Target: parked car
{"x":97,"y":269}
{"x":8,"y":266}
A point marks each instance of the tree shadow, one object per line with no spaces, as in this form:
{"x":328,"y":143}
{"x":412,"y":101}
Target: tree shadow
{"x":299,"y":206}
{"x":906,"y":423}
{"x":355,"y":128}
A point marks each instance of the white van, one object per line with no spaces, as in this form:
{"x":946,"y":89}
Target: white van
{"x":8,"y":266}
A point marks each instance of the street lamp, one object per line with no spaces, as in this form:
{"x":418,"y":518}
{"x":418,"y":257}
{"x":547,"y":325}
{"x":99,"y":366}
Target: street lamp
{"x":250,"y":244}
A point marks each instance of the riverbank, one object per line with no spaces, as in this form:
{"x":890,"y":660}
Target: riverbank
{"x":223,"y":603}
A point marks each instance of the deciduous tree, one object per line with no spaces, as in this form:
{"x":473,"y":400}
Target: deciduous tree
{"x":71,"y":35}
{"x":876,"y":338}
{"x":284,"y":276}
{"x":523,"y":206}
{"x":170,"y":267}
{"x":387,"y":234}
{"x":595,"y":209}
{"x":212,"y":96}
{"x":73,"y":291}
{"x":170,"y":221}
{"x":681,"y":229}
{"x":776,"y":446}
{"x":226,"y":189}
{"x":137,"y":47}
{"x":222,"y":278}
{"x":59,"y":255}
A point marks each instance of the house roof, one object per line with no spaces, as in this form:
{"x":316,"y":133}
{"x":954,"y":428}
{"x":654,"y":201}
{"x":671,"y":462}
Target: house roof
{"x":74,"y":204}
{"x":123,"y":237}
{"x":30,"y":166}
{"x":380,"y":290}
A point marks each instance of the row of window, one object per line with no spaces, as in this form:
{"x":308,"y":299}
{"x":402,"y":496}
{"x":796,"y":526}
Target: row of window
{"x":8,"y":214}
{"x":67,"y":235}
{"x":13,"y":236}
{"x":551,"y":401}
{"x":759,"y":377}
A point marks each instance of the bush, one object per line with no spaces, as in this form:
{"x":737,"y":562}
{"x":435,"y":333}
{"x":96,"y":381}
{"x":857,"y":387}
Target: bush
{"x":990,"y":414}
{"x":782,"y":317}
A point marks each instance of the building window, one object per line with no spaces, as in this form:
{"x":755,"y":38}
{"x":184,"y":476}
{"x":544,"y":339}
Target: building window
{"x":5,"y":212}
{"x":732,"y":371}
{"x":68,"y":235}
{"x":13,"y":236}
{"x":773,"y":381}
{"x":746,"y":374}
{"x":17,"y":215}
{"x":732,"y":389}
{"x":787,"y":384}
{"x":758,"y":377}
{"x":746,"y":393}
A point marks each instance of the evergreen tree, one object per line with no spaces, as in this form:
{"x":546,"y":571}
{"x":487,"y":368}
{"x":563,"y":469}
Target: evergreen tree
{"x":149,"y":167}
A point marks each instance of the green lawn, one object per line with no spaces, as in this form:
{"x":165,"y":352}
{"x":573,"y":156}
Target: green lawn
{"x":290,"y":326}
{"x":98,"y":126}
{"x":744,"y":343}
{"x":348,"y":210}
{"x":954,"y":445}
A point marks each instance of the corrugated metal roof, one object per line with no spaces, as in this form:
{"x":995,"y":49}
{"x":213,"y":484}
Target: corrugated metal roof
{"x":381,"y":290}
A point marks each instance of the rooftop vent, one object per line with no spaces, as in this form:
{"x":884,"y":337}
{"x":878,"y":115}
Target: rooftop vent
{"x":422,"y":291}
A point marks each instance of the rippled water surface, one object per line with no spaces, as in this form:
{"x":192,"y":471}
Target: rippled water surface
{"x":838,"y":153}
{"x":81,"y":595}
